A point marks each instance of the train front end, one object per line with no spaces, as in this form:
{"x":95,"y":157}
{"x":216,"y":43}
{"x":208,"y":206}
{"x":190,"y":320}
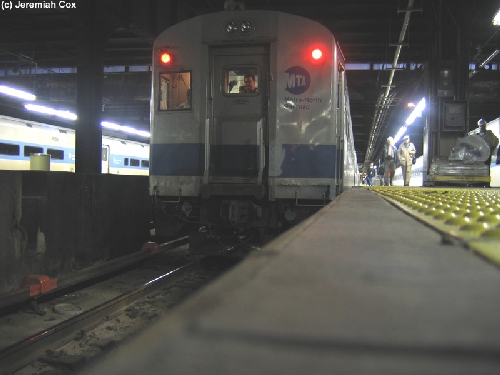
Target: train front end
{"x":248,"y":122}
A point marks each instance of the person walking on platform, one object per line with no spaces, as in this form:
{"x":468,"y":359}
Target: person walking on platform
{"x":370,"y":175}
{"x":406,"y":153}
{"x":390,"y":154}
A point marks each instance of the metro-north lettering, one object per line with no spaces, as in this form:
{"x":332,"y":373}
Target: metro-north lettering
{"x":300,"y":100}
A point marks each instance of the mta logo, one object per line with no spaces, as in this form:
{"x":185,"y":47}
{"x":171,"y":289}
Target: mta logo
{"x":298,"y":80}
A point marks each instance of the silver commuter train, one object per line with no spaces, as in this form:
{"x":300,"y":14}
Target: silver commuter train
{"x":21,"y":138}
{"x":225,"y":156}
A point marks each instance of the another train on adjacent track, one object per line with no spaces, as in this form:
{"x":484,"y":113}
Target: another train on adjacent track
{"x":19,"y":139}
{"x":250,"y":122}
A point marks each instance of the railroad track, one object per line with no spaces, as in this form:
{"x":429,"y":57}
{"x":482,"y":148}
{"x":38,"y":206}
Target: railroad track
{"x":68,"y":331}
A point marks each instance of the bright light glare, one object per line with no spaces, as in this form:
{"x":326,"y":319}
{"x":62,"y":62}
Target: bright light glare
{"x":50,"y":111}
{"x":72,"y":116}
{"x":400,"y":133}
{"x":125,"y":129}
{"x":417,"y":112}
{"x":16,"y":93}
{"x":489,"y":58}
{"x":165,"y":58}
{"x":496,"y":19}
{"x":317,"y":54}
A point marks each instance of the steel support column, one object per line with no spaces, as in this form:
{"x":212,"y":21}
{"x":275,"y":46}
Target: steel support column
{"x":447,"y":82}
{"x":91,"y":41}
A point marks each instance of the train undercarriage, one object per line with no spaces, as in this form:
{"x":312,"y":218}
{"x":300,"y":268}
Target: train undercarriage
{"x":226,"y":216}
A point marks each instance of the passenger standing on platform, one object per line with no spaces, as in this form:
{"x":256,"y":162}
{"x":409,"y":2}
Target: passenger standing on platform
{"x":390,"y":154}
{"x":488,"y":136}
{"x":406,"y":153}
{"x":370,"y":174}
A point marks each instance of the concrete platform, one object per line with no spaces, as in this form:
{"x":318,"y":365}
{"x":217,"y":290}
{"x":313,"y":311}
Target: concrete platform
{"x":360,"y":288}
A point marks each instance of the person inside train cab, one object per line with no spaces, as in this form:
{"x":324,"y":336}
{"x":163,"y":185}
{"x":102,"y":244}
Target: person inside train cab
{"x":489,"y":137}
{"x":390,"y":155}
{"x":249,"y":81}
{"x":406,"y":153}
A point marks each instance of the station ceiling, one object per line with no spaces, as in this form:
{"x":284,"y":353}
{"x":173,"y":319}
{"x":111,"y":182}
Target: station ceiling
{"x":39,"y":51}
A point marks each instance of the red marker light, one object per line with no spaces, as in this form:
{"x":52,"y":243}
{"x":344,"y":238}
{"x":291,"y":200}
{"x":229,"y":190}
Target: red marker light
{"x":165,"y":58}
{"x":317,"y":54}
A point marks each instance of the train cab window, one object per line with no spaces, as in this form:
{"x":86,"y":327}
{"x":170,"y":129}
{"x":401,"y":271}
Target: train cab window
{"x":134,"y":162}
{"x":104,"y":154}
{"x":55,"y":154}
{"x":125,"y":161}
{"x":9,"y":149}
{"x":28,"y":150}
{"x":175,"y":91}
{"x":241,"y":79}
{"x":145,"y":163}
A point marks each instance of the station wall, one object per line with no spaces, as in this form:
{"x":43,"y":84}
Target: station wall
{"x":54,"y":223}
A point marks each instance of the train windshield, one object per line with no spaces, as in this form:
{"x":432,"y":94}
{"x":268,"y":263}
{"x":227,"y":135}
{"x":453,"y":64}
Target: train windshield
{"x":241,"y":79}
{"x":175,"y":91}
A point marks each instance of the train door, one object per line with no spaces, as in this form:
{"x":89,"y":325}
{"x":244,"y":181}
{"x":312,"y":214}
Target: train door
{"x":238,"y":125}
{"x":105,"y":154}
{"x":341,"y":127}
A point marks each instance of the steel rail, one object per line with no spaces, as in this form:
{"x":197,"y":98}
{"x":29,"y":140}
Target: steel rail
{"x":18,"y":355}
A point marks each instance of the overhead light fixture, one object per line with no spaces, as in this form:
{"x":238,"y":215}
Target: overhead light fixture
{"x":71,"y":116}
{"x":16,"y":93}
{"x":489,"y":58}
{"x":496,"y":19}
{"x":486,"y":61}
{"x":50,"y":111}
{"x":125,"y":129}
{"x":417,"y":112}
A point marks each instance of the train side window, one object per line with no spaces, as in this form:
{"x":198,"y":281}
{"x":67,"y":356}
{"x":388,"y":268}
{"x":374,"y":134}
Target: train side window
{"x":125,"y":161}
{"x":28,"y":150}
{"x":145,"y":163}
{"x":134,"y":162}
{"x":174,"y":91}
{"x":55,"y":154}
{"x":9,"y":149}
{"x":241,"y":79}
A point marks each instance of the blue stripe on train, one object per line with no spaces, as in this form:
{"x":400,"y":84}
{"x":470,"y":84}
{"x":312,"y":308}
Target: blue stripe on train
{"x":300,"y":161}
{"x":308,"y":161}
{"x":177,"y":159}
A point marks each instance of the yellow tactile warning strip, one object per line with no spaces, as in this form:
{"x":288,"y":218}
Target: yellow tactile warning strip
{"x":471,"y":216}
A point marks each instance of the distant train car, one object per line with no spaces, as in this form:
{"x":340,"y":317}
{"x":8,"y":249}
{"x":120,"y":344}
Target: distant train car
{"x":251,"y":125}
{"x":20,"y":138}
{"x":124,"y":157}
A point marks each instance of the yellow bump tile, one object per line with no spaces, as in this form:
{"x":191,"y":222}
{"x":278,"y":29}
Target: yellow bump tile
{"x":472,"y":215}
{"x":492,"y":233}
{"x":487,"y":249}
